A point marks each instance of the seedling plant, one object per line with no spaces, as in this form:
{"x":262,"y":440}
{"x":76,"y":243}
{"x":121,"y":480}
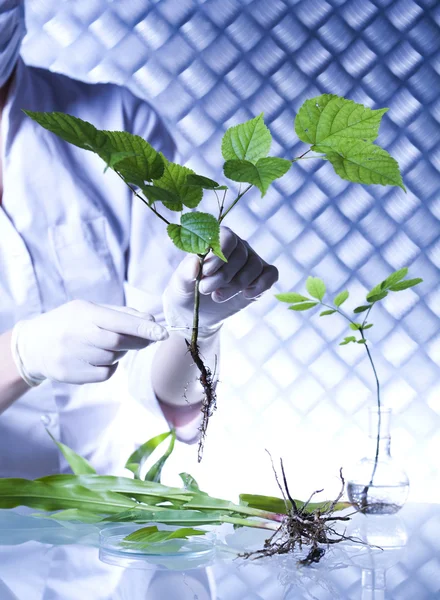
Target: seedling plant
{"x":317,"y":290}
{"x":335,"y":129}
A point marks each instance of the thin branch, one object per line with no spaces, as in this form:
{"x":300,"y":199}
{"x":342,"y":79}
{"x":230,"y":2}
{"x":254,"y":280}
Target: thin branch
{"x":144,"y":201}
{"x":240,"y":195}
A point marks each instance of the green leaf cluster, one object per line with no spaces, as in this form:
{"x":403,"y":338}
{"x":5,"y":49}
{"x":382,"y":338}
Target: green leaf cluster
{"x":245,"y":148}
{"x":316,"y":288}
{"x":344,"y":132}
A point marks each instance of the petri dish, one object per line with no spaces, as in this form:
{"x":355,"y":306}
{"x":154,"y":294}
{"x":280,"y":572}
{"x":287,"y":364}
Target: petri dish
{"x":176,"y":555}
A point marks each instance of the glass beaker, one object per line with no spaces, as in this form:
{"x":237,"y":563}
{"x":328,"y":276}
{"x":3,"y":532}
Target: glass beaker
{"x":378,"y":484}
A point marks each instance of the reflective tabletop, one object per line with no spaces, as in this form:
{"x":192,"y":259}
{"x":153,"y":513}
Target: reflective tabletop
{"x":41,"y":559}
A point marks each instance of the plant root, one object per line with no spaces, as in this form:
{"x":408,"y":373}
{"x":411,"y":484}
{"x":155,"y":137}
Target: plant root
{"x":209,"y":401}
{"x":300,"y":528}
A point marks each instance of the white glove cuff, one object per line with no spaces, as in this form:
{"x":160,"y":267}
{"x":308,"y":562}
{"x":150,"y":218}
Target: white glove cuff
{"x":27,"y":377}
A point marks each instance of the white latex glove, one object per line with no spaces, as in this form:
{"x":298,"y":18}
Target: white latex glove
{"x":80,"y":342}
{"x":226,"y":288}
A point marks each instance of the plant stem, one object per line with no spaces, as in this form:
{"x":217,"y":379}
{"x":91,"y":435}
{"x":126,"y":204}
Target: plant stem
{"x":240,"y":195}
{"x":196,"y":316}
{"x":302,"y":156}
{"x":144,"y":201}
{"x":379,"y":423}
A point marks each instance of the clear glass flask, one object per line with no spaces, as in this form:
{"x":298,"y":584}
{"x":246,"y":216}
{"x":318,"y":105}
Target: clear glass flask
{"x":377,"y":484}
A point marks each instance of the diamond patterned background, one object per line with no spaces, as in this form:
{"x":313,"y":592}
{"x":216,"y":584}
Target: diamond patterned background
{"x":207,"y":65}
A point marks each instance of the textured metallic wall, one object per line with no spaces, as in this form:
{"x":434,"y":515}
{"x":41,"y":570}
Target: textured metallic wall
{"x":286,"y":384}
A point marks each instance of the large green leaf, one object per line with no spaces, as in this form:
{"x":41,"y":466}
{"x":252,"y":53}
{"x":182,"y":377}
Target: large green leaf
{"x":78,"y":464}
{"x":140,"y":456}
{"x":75,"y":131}
{"x":146,"y":163}
{"x":129,"y":154}
{"x":260,"y":174}
{"x":123,"y":485}
{"x":197,"y":233}
{"x":277,"y":505}
{"x":42,"y":495}
{"x":248,"y":141}
{"x":174,"y":180}
{"x":327,"y":119}
{"x":362,"y":162}
{"x":156,"y":470}
{"x":184,"y":518}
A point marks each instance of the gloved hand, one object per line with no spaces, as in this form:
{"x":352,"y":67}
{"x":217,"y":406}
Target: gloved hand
{"x":226,"y":288}
{"x":80,"y":342}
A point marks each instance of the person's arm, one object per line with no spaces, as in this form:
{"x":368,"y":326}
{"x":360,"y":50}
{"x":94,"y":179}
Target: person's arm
{"x":12,"y":386}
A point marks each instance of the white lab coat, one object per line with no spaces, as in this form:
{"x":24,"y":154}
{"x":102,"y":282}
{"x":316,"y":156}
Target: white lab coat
{"x":68,"y":231}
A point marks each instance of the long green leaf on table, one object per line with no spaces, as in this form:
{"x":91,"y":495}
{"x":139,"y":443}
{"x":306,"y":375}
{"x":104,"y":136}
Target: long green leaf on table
{"x":78,"y":464}
{"x":122,"y":485}
{"x":71,"y":514}
{"x":185,"y":518}
{"x":141,"y":455}
{"x":278,"y":505}
{"x":42,"y":495}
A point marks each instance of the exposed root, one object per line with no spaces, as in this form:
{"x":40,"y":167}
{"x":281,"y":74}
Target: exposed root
{"x":209,"y":402}
{"x":300,"y":528}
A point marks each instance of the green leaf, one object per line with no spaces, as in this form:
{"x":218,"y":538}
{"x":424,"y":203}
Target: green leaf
{"x":341,"y":298}
{"x":73,"y":514}
{"x":355,"y":326}
{"x":394,"y":278}
{"x":361,"y":309}
{"x":348,"y":340}
{"x":203,"y":182}
{"x":303,"y":306}
{"x":75,"y":131}
{"x":248,"y":141}
{"x":156,"y":470}
{"x":115,"y":158}
{"x":327,"y":312}
{"x":186,"y":518}
{"x":362,"y":341}
{"x":328,"y":119}
{"x":377,"y":297}
{"x":174,"y":180}
{"x":121,"y":485}
{"x":404,"y":285}
{"x":362,"y":162}
{"x":291,"y":297}
{"x":261,"y":174}
{"x":368,"y":326}
{"x":138,"y":458}
{"x":315,"y":287}
{"x":169,"y":199}
{"x":44,"y":496}
{"x":145,"y":164}
{"x":190,"y":483}
{"x":152,"y":535}
{"x":277,"y":505}
{"x":197,"y":233}
{"x":78,"y":464}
